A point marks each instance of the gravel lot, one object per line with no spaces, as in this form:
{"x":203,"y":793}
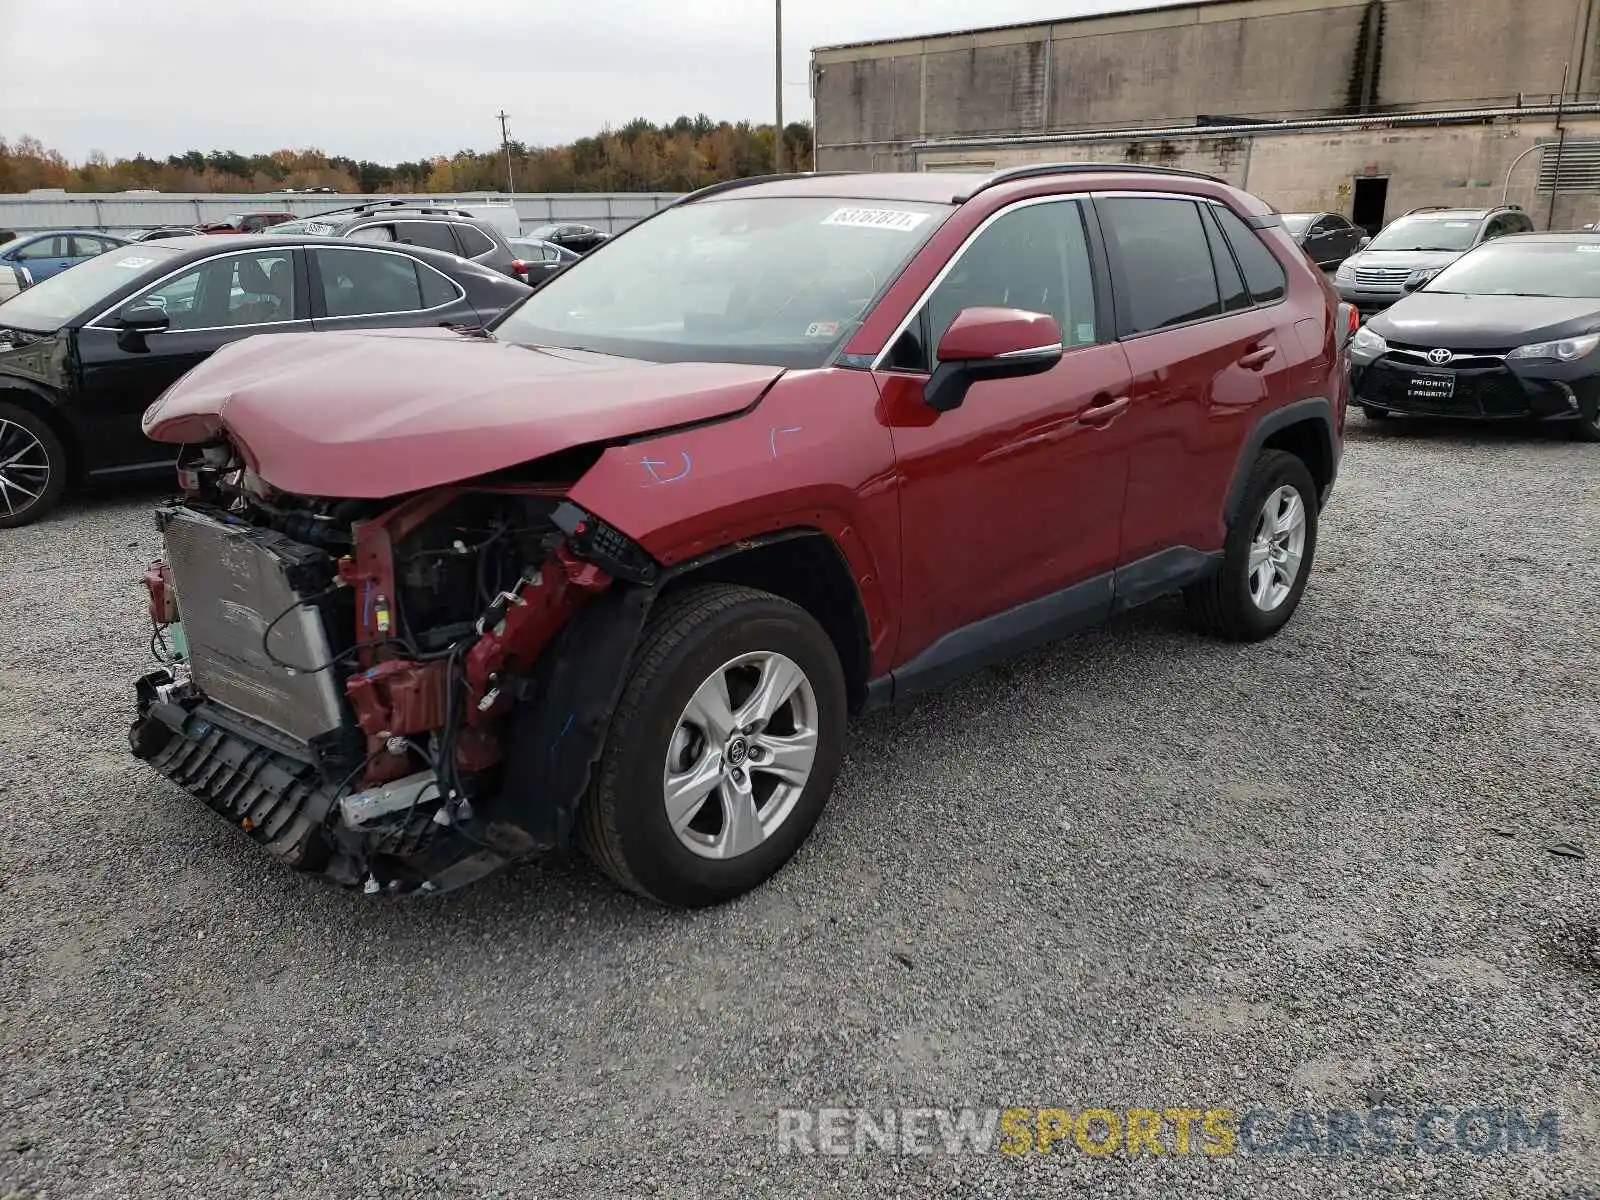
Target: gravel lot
{"x":1134,"y":869}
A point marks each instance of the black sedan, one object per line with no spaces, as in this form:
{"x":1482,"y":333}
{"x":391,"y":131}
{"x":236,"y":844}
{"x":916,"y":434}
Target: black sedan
{"x":1327,"y":238}
{"x":1510,"y":330}
{"x":83,"y":354}
{"x":580,"y":239}
{"x":537,"y":261}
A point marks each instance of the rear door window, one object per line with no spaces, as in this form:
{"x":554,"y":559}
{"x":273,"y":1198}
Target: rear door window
{"x":373,"y":233}
{"x":474,"y":241}
{"x":435,"y":235}
{"x":1166,"y":275}
{"x":365,"y":283}
{"x":437,"y":291}
{"x":1263,"y":273}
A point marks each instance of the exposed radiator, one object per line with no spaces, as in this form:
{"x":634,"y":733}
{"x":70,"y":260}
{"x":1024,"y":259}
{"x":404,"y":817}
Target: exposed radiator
{"x":232,"y":581}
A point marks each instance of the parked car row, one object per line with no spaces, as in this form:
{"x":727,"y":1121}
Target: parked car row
{"x":84,"y":353}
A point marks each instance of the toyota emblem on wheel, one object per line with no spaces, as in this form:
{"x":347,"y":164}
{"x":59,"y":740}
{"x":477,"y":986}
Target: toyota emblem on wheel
{"x":1439,"y":357}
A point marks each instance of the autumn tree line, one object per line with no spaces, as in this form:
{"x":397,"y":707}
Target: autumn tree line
{"x":679,"y":156}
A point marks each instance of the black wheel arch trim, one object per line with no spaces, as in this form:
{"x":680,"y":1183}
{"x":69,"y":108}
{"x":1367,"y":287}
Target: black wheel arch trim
{"x":1315,"y":410}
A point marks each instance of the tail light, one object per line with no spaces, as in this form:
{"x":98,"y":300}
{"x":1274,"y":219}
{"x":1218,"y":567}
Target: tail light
{"x":1349,"y":322}
{"x":520,"y":267}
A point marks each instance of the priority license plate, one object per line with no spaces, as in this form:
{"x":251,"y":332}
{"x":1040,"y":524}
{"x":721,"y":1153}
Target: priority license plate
{"x":1432,"y":387}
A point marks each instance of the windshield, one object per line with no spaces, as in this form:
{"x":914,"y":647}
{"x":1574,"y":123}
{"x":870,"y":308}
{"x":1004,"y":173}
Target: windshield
{"x":1517,"y":268}
{"x":51,"y":303}
{"x":1428,"y":233}
{"x":781,"y":280}
{"x":1297,"y":223}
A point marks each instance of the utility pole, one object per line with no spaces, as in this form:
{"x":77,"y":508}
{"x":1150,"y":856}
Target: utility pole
{"x":1561,"y":145}
{"x":777,"y":86}
{"x":505,"y":140}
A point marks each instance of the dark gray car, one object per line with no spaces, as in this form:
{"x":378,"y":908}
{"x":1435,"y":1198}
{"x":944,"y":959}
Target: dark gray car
{"x":1327,"y":238}
{"x":1419,"y":244}
{"x":453,"y":230}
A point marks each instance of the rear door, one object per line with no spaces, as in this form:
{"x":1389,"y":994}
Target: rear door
{"x":208,"y":304}
{"x":1017,"y":494}
{"x":1206,"y":358}
{"x":364,"y":287}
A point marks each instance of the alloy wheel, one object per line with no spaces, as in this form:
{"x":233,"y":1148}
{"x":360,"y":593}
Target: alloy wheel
{"x":24,"y":468}
{"x":1277,"y":548}
{"x":740,"y":755}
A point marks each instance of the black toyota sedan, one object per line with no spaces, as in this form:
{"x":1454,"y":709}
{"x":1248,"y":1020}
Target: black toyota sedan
{"x":84,"y":353}
{"x":1510,"y":330}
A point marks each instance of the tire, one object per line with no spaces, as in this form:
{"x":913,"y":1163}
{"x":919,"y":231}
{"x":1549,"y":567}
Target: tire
{"x":1375,"y":414}
{"x":1586,"y":428}
{"x":1225,"y":604}
{"x":39,"y":467}
{"x":699,"y":635}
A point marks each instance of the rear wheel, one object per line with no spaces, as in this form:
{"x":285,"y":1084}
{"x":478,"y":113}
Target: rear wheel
{"x":33,"y":467}
{"x":723,"y":748}
{"x":1267,"y":557}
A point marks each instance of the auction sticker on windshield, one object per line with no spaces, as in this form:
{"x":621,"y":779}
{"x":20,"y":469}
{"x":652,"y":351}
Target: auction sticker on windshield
{"x":876,"y":218}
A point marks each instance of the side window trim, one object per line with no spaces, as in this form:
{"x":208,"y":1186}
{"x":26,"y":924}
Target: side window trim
{"x":296,"y":261}
{"x":1091,"y":237}
{"x":1217,"y":239}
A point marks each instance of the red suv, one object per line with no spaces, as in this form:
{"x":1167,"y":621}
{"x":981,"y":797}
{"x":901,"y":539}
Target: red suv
{"x":622,"y":566}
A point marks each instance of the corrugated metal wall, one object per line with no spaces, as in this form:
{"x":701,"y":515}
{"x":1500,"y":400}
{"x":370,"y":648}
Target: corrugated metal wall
{"x":120,"y":212}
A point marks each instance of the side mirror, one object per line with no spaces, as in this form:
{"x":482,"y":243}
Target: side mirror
{"x":134,"y":322}
{"x":990,"y":343}
{"x":1364,"y":243}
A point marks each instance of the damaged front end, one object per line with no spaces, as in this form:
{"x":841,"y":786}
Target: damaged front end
{"x":398,"y":695}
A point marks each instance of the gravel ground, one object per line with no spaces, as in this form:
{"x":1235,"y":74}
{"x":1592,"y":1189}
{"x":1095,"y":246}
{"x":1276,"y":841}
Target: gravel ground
{"x":1134,"y":869}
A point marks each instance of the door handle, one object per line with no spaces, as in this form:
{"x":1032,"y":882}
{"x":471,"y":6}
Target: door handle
{"x":1103,"y":409}
{"x":1256,"y":359}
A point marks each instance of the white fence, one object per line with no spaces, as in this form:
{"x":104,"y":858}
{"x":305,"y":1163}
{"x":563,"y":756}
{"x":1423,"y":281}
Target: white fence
{"x":121,"y":212}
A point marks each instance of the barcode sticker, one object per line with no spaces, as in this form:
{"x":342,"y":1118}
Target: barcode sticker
{"x":876,"y":218}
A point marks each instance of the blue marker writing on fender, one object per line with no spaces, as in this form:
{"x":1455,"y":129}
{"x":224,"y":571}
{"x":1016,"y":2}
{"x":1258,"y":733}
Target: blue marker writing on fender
{"x":651,"y":465}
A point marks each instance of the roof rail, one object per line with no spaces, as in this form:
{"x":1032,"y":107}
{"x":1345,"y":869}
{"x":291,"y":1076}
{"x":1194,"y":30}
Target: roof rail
{"x":396,"y":205}
{"x":1079,"y":168}
{"x":728,"y":185}
{"x":1426,"y":208}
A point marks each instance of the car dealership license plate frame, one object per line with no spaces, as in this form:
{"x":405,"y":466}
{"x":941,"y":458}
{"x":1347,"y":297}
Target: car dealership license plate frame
{"x":1434,"y":388}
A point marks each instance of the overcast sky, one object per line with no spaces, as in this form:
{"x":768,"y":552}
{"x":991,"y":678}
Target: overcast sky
{"x":404,"y":79}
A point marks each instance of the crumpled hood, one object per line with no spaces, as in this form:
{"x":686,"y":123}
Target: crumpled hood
{"x":373,"y":415}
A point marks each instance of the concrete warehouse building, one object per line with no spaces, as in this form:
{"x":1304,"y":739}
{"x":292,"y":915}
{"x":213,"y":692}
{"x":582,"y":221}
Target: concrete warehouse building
{"x":1365,"y":107}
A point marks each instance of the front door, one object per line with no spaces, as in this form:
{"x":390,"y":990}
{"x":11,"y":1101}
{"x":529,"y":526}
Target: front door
{"x":1017,"y":494}
{"x":45,"y":256}
{"x":220,"y":300}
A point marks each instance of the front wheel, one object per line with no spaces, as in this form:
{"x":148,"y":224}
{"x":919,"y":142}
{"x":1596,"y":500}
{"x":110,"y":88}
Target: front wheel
{"x":33,"y":467}
{"x":723,"y":748}
{"x":1374,"y":414}
{"x":1267,"y":557}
